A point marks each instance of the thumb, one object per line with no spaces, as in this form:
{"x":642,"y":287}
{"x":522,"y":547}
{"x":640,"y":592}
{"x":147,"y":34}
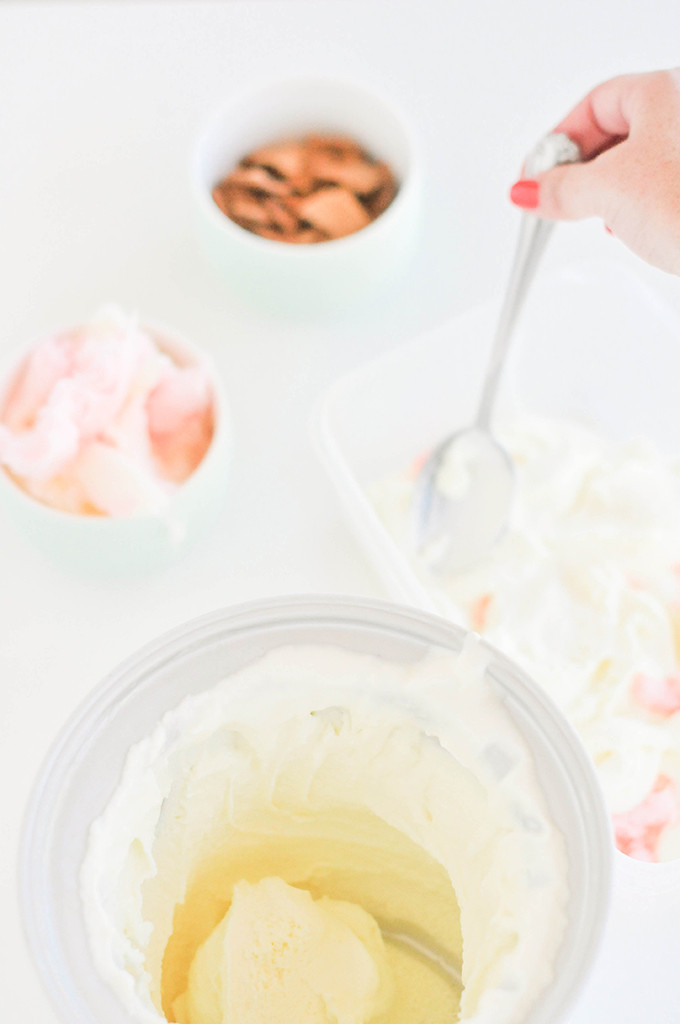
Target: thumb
{"x":567,"y":192}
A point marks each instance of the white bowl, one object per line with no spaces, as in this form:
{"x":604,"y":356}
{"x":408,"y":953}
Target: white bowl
{"x":324,"y":276}
{"x":84,"y":767}
{"x":119,"y":546}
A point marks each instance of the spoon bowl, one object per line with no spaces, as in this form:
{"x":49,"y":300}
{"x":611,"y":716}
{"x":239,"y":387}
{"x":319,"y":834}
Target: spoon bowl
{"x":463,"y":494}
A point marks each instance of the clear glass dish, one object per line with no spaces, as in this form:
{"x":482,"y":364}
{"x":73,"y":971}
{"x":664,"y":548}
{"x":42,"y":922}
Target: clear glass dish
{"x":594,"y":346}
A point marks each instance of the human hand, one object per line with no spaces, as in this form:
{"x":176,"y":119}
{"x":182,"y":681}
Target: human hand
{"x":628,"y":130}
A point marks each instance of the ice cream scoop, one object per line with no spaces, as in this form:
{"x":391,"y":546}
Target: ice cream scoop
{"x":278,"y":954}
{"x":464,"y":490}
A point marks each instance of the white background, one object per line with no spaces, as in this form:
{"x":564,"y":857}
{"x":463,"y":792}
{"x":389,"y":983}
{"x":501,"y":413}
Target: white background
{"x":99,"y":104}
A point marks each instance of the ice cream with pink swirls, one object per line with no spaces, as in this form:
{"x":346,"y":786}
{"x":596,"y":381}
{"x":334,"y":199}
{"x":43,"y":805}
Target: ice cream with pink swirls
{"x":583,"y":591}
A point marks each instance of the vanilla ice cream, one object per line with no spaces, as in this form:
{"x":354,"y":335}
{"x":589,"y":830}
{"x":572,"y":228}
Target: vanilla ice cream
{"x":330,"y":836}
{"x":583,"y":591}
{"x":105,"y":419}
{"x":279,"y":955}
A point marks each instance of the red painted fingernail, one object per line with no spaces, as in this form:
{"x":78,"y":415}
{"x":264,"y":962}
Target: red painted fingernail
{"x":525,"y":194}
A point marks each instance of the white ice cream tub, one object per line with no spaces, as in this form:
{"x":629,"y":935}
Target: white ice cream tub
{"x":84,"y":767}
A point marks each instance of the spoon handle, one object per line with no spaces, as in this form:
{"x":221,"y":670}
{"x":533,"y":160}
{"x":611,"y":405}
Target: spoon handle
{"x":533,"y":236}
{"x":554,"y":149}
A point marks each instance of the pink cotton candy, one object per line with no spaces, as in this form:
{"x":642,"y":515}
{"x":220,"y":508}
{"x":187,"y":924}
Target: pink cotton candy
{"x":46,"y":448}
{"x":659,"y":694}
{"x":637,"y":831}
{"x":81,"y":391}
{"x":106,"y":386}
{"x":181,"y":392}
{"x":116,"y":485}
{"x":34,"y":381}
{"x":180,"y":420}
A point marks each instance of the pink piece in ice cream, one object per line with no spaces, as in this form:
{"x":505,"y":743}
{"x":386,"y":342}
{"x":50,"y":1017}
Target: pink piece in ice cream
{"x":637,"y":831}
{"x":659,"y":694}
{"x":101,"y":420}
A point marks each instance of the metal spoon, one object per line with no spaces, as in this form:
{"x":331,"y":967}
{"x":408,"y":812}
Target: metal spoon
{"x":463,"y":492}
{"x":438,"y":960}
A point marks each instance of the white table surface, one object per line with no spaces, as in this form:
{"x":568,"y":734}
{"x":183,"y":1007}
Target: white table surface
{"x":98,"y":107}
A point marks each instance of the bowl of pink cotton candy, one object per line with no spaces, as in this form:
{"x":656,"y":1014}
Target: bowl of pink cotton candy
{"x":114,"y":444}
